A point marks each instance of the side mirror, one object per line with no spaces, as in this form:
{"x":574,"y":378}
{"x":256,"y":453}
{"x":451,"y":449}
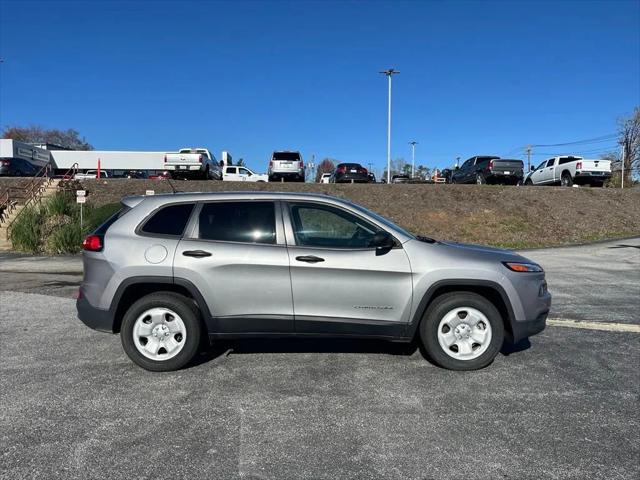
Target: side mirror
{"x":383,"y":242}
{"x":457,"y":168}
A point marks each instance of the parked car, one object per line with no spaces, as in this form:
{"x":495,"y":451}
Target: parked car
{"x":488,"y":169}
{"x":17,"y":167}
{"x":325,"y":177}
{"x":446,"y":173}
{"x":235,"y":173}
{"x":401,"y":178}
{"x":91,"y":174}
{"x":349,"y":173}
{"x":569,"y":170}
{"x":193,"y":163}
{"x":136,"y":174}
{"x":285,"y":165}
{"x":164,"y":273}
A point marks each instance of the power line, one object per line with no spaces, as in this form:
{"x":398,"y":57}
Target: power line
{"x":602,"y":138}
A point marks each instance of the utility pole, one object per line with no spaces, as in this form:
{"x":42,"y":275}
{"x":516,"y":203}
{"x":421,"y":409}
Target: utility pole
{"x":528,"y":150}
{"x":413,"y":144}
{"x":389,"y":73}
{"x":623,"y":152}
{"x":457,"y":161}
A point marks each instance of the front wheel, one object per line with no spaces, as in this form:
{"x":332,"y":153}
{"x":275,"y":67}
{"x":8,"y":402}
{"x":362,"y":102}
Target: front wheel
{"x":462,"y":331}
{"x":528,"y":183}
{"x":161,"y":332}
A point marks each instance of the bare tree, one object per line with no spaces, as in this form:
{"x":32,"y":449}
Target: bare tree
{"x":327,"y":165}
{"x":629,"y":132}
{"x":69,"y":138}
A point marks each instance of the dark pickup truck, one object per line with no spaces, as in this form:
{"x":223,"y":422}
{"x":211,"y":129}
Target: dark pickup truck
{"x":487,"y":169}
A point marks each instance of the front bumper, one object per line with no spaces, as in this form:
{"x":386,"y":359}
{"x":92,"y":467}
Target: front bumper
{"x":92,"y":317}
{"x":527,"y":328}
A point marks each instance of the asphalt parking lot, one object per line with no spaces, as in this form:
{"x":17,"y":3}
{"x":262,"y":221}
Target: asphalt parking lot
{"x":564,"y":405}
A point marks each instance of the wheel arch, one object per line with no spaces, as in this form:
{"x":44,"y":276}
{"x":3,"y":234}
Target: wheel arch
{"x":135,"y":288}
{"x":492,"y":291}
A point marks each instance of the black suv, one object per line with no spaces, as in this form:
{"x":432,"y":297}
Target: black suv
{"x":350,"y":172}
{"x":489,"y":169}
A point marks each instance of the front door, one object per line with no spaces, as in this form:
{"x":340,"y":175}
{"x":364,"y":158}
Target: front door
{"x":235,"y":253}
{"x":339,"y":284}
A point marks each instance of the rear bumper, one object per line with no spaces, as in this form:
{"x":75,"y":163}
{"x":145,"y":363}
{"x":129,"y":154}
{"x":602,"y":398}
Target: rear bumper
{"x":594,"y":175}
{"x":92,"y":317}
{"x":183,"y":168}
{"x":348,"y":178}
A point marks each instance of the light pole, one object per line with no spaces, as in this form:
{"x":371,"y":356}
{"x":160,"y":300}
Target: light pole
{"x":413,"y":144}
{"x":389,"y":73}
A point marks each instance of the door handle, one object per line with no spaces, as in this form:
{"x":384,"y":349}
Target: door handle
{"x":196,"y":253}
{"x":309,"y":259}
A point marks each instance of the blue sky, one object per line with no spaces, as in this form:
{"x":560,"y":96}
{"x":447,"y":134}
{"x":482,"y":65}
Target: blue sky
{"x":250,"y":77}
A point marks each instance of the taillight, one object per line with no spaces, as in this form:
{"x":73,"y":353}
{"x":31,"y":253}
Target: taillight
{"x":270,"y":163}
{"x":341,"y":170}
{"x":490,"y":164}
{"x":6,"y":163}
{"x":301,"y":164}
{"x":363,"y":170}
{"x":200,"y":158}
{"x":93,"y":243}
{"x":578,"y":165}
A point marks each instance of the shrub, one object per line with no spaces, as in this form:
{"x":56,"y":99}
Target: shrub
{"x":96,"y":216}
{"x":26,"y":231}
{"x":66,"y":239}
{"x":59,"y":204}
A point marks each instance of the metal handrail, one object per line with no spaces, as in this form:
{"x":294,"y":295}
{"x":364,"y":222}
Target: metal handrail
{"x":71,"y":173}
{"x":32,"y":192}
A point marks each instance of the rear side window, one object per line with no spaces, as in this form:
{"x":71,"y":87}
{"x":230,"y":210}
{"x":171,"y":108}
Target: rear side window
{"x":247,"y":222}
{"x":169,"y":220}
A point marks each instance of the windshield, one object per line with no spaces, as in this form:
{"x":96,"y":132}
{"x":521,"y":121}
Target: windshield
{"x":385,"y":221}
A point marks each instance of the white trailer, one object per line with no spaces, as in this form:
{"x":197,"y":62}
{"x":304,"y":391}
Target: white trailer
{"x":109,"y":160}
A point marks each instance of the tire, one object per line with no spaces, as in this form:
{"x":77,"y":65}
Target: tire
{"x":566,"y":180}
{"x":445,"y":316}
{"x":154,"y":310}
{"x":480,"y":180}
{"x":528,"y":183}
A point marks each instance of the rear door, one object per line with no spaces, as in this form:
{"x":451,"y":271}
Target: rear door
{"x":234,"y":252}
{"x":339,"y":284}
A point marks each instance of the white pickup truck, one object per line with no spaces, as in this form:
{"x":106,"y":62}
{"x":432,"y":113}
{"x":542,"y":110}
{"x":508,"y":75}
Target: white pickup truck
{"x":237,"y":173}
{"x":193,"y":163}
{"x":570,"y":170}
{"x":90,"y":174}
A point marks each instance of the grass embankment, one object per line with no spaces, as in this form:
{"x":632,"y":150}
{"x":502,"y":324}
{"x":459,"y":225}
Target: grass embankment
{"x":511,"y":217}
{"x":54,"y":226}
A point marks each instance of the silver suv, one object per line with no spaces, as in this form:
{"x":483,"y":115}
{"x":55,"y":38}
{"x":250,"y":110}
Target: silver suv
{"x":286,"y":166}
{"x":166,"y":270}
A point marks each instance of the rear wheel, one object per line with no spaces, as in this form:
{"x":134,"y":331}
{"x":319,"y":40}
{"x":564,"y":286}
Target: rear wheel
{"x":566,"y":180}
{"x":161,"y":332}
{"x":462,"y":331}
{"x":480,"y":180}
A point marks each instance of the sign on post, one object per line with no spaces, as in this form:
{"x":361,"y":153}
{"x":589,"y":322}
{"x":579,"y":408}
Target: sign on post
{"x":81,"y":198}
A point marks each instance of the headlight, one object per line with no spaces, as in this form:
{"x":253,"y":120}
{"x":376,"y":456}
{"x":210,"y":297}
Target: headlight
{"x":523,"y":267}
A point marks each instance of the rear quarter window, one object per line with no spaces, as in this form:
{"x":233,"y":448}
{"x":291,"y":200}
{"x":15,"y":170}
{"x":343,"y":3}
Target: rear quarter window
{"x":170,"y":220}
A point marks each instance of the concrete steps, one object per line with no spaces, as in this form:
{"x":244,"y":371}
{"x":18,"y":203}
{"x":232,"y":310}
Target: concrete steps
{"x":5,"y":243}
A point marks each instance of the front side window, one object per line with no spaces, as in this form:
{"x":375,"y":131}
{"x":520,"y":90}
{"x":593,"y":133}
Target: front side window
{"x":244,"y":171}
{"x":169,"y":220}
{"x":328,"y":227}
{"x":551,"y":162}
{"x":247,"y":222}
{"x":541,"y":165}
